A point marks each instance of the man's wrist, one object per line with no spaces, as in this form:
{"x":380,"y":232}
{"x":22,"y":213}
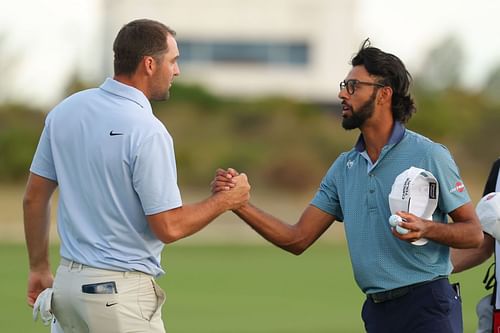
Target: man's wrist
{"x":40,"y":267}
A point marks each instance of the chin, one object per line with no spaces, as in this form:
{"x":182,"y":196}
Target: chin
{"x":348,"y":124}
{"x":160,"y":97}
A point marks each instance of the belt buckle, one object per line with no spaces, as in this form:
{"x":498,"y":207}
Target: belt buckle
{"x":375,"y":298}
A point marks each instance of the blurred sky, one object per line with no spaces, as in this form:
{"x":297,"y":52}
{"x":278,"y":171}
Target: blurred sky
{"x":45,"y":39}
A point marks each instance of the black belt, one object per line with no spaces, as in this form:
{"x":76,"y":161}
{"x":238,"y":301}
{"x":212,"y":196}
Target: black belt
{"x":389,"y":295}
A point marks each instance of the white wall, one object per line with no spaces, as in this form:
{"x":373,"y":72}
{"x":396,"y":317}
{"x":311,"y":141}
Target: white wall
{"x":327,"y":26}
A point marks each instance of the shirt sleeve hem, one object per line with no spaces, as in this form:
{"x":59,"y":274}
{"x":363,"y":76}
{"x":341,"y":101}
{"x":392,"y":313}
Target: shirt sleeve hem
{"x":43,"y":174}
{"x":168,"y":206}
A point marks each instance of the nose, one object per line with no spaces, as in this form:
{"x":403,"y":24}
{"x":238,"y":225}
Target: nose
{"x":177,"y":70}
{"x":343,"y":94}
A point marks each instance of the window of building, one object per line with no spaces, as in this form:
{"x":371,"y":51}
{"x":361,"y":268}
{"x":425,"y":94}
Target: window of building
{"x":293,"y":53}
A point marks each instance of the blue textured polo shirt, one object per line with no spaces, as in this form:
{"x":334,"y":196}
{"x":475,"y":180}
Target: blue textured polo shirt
{"x":114,"y":163}
{"x":356,"y":192}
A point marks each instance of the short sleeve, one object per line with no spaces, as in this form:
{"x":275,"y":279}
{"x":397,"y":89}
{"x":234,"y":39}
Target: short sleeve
{"x":155,"y":175}
{"x":452,"y":190}
{"x":327,"y":197}
{"x":43,"y":161}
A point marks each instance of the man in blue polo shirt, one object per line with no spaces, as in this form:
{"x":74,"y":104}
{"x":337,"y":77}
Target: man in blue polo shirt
{"x":406,"y":285}
{"x":114,"y":164}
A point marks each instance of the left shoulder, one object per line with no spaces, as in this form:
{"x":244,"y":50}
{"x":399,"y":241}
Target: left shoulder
{"x":419,"y":141}
{"x":415,"y":137}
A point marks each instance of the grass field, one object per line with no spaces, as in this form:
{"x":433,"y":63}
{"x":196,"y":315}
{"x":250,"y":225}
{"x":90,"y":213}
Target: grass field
{"x":239,"y":289}
{"x":226,"y":279}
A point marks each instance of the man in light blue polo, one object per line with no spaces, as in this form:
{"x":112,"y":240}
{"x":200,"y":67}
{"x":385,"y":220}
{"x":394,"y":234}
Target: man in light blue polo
{"x":119,"y":202}
{"x":406,"y":285}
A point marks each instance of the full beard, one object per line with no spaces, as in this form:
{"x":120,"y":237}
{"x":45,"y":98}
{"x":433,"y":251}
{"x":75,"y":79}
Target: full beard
{"x":358,"y":118}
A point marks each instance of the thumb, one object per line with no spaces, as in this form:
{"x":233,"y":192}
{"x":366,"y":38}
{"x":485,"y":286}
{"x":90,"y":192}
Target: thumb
{"x":233,"y":172}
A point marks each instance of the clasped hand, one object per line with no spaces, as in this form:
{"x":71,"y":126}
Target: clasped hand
{"x":233,"y":186}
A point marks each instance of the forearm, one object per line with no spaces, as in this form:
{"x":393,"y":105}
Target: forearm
{"x":36,"y":208}
{"x":465,"y":231}
{"x":191,"y":218}
{"x":277,"y":232}
{"x":36,"y":230}
{"x":292,"y":238}
{"x":463,"y":259}
{"x":460,"y":235}
{"x":184,"y":221}
{"x":172,"y":225}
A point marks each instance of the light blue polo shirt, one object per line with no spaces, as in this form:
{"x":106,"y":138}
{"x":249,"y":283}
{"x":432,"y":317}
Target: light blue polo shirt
{"x":114,"y":163}
{"x":356,"y":192}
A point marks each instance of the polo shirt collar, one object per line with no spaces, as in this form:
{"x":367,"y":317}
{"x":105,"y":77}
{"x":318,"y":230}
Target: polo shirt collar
{"x":398,"y":132}
{"x":115,"y":87}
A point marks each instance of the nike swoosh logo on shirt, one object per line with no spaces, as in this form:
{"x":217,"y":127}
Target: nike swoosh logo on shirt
{"x":111,"y":133}
{"x":110,"y":304}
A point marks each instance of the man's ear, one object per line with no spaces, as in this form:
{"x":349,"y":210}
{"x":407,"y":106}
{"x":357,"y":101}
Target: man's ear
{"x":385,"y":95}
{"x":149,"y":65}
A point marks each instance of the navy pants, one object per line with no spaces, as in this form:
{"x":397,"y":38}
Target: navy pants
{"x":434,"y":307}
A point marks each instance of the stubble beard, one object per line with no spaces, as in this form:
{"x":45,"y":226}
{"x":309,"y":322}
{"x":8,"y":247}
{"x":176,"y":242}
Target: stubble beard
{"x":161,"y":96}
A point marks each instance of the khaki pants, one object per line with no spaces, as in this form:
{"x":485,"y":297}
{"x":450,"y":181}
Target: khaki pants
{"x":110,"y":302}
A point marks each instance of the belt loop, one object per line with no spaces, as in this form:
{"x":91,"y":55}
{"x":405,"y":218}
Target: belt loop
{"x":77,"y":266}
{"x":80,"y":267}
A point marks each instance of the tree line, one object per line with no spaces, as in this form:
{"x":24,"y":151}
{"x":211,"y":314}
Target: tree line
{"x":279,"y":142}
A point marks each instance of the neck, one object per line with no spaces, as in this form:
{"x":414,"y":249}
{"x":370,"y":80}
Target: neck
{"x":133,"y":81}
{"x":376,"y":134}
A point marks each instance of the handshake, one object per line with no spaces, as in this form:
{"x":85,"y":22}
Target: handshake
{"x":231,"y":187}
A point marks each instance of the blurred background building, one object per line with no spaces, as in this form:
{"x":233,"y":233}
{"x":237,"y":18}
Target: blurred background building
{"x":300,"y":48}
{"x":296,"y":48}
{"x":234,"y":53}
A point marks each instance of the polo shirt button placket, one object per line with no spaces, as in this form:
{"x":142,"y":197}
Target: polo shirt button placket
{"x":371,"y":195}
{"x":371,"y":176}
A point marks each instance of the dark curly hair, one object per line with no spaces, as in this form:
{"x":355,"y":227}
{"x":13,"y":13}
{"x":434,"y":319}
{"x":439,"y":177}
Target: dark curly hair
{"x":137,"y":39}
{"x":391,"y":72}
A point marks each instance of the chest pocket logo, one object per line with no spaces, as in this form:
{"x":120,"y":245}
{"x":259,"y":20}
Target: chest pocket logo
{"x":349,"y":164}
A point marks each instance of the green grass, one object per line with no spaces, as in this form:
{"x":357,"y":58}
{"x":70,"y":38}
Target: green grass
{"x":239,"y":289}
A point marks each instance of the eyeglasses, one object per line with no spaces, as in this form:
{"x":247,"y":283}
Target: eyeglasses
{"x":351,"y":85}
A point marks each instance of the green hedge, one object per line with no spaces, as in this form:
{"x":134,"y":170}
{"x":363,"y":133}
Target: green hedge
{"x":278,"y":142}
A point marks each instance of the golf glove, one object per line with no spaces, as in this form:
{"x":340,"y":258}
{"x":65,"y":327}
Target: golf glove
{"x":43,"y":304}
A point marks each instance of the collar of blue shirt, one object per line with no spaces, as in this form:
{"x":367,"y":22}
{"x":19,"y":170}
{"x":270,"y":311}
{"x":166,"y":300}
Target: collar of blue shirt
{"x":123,"y":90}
{"x":398,"y":132}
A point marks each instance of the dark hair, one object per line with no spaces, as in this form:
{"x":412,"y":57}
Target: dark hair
{"x":391,"y":72}
{"x":137,"y":39}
